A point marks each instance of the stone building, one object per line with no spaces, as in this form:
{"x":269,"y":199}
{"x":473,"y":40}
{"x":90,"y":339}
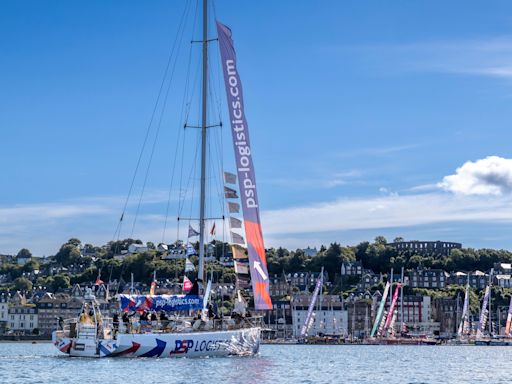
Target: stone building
{"x":442,"y":248}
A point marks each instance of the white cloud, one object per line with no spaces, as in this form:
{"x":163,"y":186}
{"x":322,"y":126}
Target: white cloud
{"x":486,"y":56}
{"x":489,"y":176}
{"x":385,"y":212}
{"x":481,"y":198}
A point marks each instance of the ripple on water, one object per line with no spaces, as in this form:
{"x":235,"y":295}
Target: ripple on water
{"x":40,"y":364}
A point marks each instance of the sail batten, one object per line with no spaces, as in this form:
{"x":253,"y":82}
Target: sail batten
{"x":245,"y":171}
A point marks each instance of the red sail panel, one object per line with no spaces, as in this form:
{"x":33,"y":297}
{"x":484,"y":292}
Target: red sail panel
{"x":245,"y":170}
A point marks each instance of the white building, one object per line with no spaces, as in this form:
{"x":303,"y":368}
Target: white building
{"x":330,"y":317}
{"x":137,"y":248}
{"x":22,"y":318}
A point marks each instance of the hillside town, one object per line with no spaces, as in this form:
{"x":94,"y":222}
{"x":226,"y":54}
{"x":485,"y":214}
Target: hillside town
{"x":38,"y":292}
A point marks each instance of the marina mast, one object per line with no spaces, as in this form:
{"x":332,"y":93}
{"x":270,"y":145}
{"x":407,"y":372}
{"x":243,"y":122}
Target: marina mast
{"x":202,"y":197}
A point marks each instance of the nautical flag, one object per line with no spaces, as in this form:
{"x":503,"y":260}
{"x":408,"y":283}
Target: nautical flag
{"x":212,"y":231}
{"x":238,"y":253}
{"x":230,"y":193}
{"x":235,"y":223}
{"x":98,"y":280}
{"x":243,"y":281}
{"x":241,"y":268}
{"x":233,"y":207}
{"x":191,"y":250}
{"x":187,"y":284}
{"x":236,"y":238}
{"x":229,"y":178}
{"x":192,"y":232}
{"x":189,"y":266}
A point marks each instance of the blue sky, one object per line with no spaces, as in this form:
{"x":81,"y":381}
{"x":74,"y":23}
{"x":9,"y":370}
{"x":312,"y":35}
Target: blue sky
{"x":367,"y":118}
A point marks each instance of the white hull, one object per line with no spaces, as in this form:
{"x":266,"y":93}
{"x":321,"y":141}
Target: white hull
{"x":241,"y":342}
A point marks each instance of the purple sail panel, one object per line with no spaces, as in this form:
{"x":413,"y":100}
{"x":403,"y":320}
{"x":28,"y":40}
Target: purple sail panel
{"x":245,"y":170}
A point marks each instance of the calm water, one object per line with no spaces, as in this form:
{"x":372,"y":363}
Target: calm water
{"x":39,"y":363}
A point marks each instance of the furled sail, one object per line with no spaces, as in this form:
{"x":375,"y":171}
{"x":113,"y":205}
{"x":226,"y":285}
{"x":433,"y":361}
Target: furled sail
{"x":245,"y":170}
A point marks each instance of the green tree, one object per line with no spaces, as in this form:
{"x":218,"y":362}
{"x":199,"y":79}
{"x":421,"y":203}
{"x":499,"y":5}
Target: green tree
{"x":68,"y":254}
{"x":60,"y":281}
{"x":22,"y":284}
{"x":24,"y":253}
{"x":380,"y":240}
{"x":31,"y":266}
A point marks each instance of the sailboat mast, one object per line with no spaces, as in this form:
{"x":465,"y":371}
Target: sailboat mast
{"x":202,"y":197}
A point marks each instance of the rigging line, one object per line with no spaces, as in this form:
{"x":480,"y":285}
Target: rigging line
{"x":197,"y":70}
{"x":181,"y":29}
{"x":173,"y":173}
{"x":118,"y":230}
{"x":219,"y":174}
{"x":184,"y":107}
{"x":213,"y":94}
{"x":182,"y":202}
{"x":191,"y":177}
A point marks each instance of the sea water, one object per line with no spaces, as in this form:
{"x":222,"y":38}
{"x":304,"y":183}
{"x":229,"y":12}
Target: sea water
{"x":40,"y":363}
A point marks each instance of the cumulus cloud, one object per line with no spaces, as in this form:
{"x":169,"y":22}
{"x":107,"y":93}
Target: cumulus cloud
{"x":489,"y":176}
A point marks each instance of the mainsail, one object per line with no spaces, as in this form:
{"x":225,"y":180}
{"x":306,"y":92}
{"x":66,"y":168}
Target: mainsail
{"x":309,"y":317}
{"x":483,"y":313}
{"x":245,"y":170}
{"x":391,"y":312}
{"x":381,"y":310}
{"x":464,"y":321}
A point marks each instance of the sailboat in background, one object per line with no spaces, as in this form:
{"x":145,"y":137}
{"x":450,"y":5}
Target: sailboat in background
{"x":383,"y":330}
{"x":175,"y":333}
{"x":310,"y":316}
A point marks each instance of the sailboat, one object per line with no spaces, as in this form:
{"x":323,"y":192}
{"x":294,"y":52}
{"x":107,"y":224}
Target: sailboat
{"x":310,"y":316}
{"x":383,"y":330}
{"x":176,"y":333}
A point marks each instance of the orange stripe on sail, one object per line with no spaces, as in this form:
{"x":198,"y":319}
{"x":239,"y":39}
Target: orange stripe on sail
{"x":262,"y":291}
{"x":255,"y":239}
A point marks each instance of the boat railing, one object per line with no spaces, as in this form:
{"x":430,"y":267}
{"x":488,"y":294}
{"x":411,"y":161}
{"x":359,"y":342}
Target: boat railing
{"x":187,"y":324}
{"x":88,"y":329}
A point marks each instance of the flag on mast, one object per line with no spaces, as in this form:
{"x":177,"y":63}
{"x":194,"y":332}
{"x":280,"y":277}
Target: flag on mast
{"x":238,"y":253}
{"x":189,"y":266}
{"x":212,"y":231}
{"x":236,"y":238}
{"x":229,"y":178}
{"x":191,"y":250}
{"x":230,"y":193}
{"x":192,"y":232}
{"x":153,"y":285}
{"x":98,"y":279}
{"x":233,"y":207}
{"x":235,"y":223}
{"x":187,"y":284}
